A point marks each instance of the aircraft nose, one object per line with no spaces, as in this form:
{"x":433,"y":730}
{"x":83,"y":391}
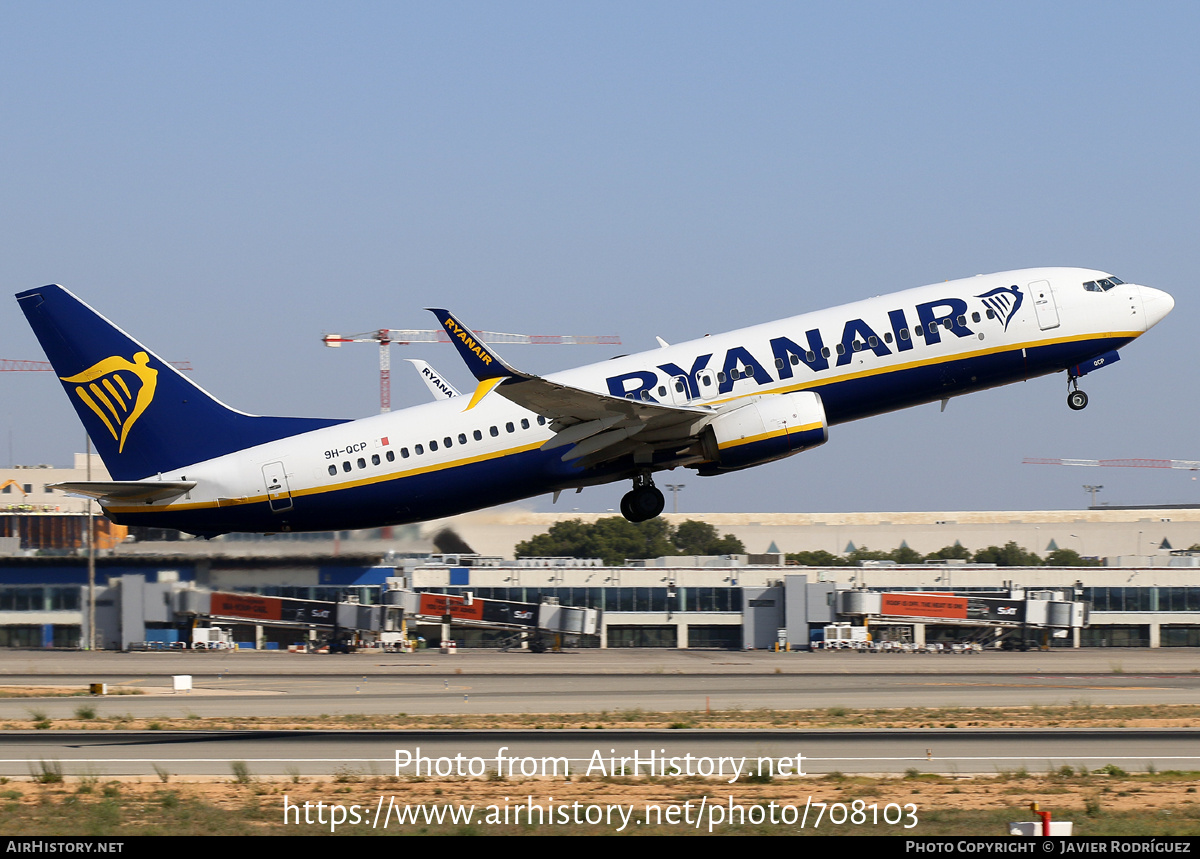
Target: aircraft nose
{"x":1156,"y":304}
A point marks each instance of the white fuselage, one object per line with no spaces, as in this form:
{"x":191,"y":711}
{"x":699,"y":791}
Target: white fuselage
{"x":863,"y":358}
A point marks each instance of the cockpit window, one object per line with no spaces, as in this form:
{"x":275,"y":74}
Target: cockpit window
{"x":1102,"y":285}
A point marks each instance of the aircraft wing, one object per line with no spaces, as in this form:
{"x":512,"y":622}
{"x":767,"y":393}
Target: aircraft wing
{"x":127,"y":490}
{"x":598,"y":427}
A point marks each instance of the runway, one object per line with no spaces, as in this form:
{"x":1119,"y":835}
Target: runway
{"x":781,"y":754}
{"x":279,"y":684}
{"x":275,"y":684}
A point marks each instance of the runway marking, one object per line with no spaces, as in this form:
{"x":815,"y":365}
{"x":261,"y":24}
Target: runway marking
{"x":807,"y":759}
{"x":1051,"y":686}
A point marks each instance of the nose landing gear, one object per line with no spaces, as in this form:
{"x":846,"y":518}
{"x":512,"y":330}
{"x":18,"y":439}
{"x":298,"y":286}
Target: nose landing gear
{"x":644,"y":501}
{"x":1076,"y":399}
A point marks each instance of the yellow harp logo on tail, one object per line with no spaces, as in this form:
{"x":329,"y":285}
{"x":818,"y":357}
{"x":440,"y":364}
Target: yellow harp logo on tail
{"x":118,"y":391}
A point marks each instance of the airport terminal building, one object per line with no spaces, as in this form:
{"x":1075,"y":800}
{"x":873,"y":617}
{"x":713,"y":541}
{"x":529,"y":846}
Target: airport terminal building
{"x":729,"y":602}
{"x":153,"y":587}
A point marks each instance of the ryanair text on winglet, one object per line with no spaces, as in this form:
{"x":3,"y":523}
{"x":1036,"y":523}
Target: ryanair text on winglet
{"x":465,"y":336}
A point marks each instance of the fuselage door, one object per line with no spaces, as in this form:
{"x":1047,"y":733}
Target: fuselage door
{"x":1043,"y":304}
{"x":278,"y":494}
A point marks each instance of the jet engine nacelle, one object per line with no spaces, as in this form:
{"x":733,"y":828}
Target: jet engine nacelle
{"x":764,"y":430}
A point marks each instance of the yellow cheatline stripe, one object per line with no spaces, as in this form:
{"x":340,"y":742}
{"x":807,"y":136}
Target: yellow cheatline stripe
{"x":820,"y":382}
{"x":813,"y":383}
{"x":773,"y":434}
{"x":320,"y":490}
{"x":753,"y":438}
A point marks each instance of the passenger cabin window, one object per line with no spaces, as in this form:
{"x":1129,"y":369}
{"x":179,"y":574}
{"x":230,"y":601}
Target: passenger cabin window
{"x":975,"y":316}
{"x":462,"y":438}
{"x":362,"y":463}
{"x":448,"y":442}
{"x":432,"y":445}
{"x":375,"y":459}
{"x":524,"y":423}
{"x":903,"y":333}
{"x":420,"y":450}
{"x":404,"y":453}
{"x":346,"y":465}
{"x":477,"y":435}
{"x":509,"y":426}
{"x":332,"y":471}
{"x":391,"y":454}
{"x":494,"y":431}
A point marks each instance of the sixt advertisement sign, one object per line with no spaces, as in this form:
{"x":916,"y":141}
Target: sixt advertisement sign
{"x":934,"y":319}
{"x":995,"y":609}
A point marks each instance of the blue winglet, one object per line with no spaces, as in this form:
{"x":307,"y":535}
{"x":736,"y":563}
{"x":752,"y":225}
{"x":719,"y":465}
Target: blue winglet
{"x":483,"y":363}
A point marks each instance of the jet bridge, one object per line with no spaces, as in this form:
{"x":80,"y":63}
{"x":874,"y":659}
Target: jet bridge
{"x":1049,"y":611}
{"x":526,"y":618}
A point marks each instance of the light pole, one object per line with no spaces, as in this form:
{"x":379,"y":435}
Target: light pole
{"x":90,"y":644}
{"x":675,"y":487}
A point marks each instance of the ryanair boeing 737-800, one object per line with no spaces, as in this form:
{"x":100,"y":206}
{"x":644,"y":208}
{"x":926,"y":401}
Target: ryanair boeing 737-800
{"x":179,"y":458}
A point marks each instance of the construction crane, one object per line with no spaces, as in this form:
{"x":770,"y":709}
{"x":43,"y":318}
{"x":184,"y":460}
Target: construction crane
{"x":15,"y":365}
{"x":388,"y":337}
{"x":1187,"y":464}
{"x":1184,"y":464}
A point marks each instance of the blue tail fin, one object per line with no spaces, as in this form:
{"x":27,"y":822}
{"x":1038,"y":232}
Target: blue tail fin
{"x":143,"y":415}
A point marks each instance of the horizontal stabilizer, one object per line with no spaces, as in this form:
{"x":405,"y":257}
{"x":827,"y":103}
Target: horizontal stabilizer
{"x":148,"y":491}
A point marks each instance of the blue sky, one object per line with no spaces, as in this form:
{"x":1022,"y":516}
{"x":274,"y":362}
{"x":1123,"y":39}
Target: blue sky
{"x":230,"y":181}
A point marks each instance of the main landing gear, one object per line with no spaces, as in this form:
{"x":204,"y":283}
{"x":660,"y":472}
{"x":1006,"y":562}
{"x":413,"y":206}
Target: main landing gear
{"x":1076,"y":399}
{"x":644,"y":501}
